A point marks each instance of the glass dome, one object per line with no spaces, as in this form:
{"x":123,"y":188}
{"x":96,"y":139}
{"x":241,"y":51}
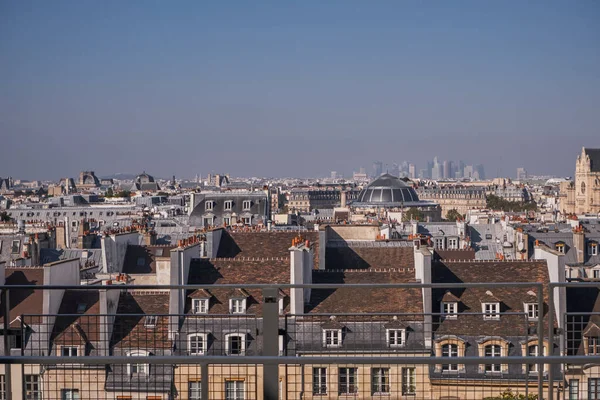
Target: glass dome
{"x":388,"y":189}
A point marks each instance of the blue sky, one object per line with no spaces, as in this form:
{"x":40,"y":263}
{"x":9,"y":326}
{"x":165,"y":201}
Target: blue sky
{"x":295,"y":88}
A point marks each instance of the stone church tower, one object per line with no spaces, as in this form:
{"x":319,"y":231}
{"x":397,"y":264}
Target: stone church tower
{"x":584,"y":195}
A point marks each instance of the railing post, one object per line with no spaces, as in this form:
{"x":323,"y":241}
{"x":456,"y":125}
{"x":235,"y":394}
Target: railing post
{"x":540,"y":330}
{"x":270,"y":343}
{"x":551,"y":337}
{"x":204,"y":381}
{"x":7,"y":367}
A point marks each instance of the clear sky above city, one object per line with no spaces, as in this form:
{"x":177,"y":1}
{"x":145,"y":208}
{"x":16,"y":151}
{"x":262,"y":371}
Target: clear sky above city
{"x":295,"y":88}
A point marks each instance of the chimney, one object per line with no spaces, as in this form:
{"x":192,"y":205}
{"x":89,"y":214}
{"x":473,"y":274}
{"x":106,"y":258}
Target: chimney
{"x":423,"y":275}
{"x":149,"y":238}
{"x":579,"y":244}
{"x":343,"y":199}
{"x":301,"y":265}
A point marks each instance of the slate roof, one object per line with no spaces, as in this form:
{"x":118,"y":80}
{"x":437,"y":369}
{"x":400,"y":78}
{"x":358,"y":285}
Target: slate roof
{"x":142,"y":259}
{"x":369,"y":254}
{"x":594,"y":155}
{"x":6,"y":247}
{"x":511,"y":299}
{"x":52,"y":255}
{"x":83,"y":328}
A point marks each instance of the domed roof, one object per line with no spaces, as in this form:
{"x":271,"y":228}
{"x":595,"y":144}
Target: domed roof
{"x":388,"y":189}
{"x":144,"y":178}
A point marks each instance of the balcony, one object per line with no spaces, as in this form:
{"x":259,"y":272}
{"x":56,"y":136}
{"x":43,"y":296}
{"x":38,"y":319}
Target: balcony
{"x":132,"y":342}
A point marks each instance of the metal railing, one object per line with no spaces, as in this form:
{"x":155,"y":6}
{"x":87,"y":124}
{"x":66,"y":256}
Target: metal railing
{"x":261,"y":359}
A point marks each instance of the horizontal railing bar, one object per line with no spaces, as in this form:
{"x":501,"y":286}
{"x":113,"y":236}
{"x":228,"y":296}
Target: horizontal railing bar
{"x":287,"y":360}
{"x":281,"y":286}
{"x":250,"y":316}
{"x":573,"y":284}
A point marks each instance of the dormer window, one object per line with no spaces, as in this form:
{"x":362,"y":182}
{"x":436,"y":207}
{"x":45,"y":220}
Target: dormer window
{"x":69,"y":351}
{"x":491,"y":311}
{"x":593,"y":249}
{"x":395,"y":337}
{"x":593,"y":346}
{"x":560,"y":247}
{"x":453,"y":243}
{"x":438,"y":243}
{"x":136,"y":368}
{"x":81,"y":308}
{"x":449,"y":309}
{"x":237,"y":306}
{"x":209,"y":205}
{"x":228,"y":205}
{"x":197,"y":343}
{"x":332,"y":337}
{"x":246,"y":204}
{"x":200,"y":306}
{"x":150,"y":321}
{"x":532,"y":311}
{"x":235,"y":344}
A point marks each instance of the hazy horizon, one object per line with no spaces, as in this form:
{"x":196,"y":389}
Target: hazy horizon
{"x":295,"y":89}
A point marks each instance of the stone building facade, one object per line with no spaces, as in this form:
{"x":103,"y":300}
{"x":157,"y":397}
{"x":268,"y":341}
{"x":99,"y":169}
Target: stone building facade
{"x":583,"y":195}
{"x":457,"y":198}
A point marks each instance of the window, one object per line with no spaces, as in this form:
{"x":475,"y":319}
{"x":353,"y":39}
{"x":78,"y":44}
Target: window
{"x":453,"y":243}
{"x":491,"y":310}
{"x":247,"y":220}
{"x":593,"y":249}
{"x":237,"y":306}
{"x":81,"y":307}
{"x":69,"y":351}
{"x":246,"y":204}
{"x":438,"y":243}
{"x":597,"y":274}
{"x":228,"y":205}
{"x":209,"y":205}
{"x":138,"y":368}
{"x":449,"y":309}
{"x":194,"y":390}
{"x":573,"y":389}
{"x":593,"y":346}
{"x":235,"y":344}
{"x":395,"y":337}
{"x":227,"y":220}
{"x":2,"y":388}
{"x":593,"y":388}
{"x":332,"y":337}
{"x":533,"y":350}
{"x":234,"y":390}
{"x":197,"y":343}
{"x":281,"y":302}
{"x":150,"y":321}
{"x":69,"y":394}
{"x":532,"y":311}
{"x":493,"y":350}
{"x":33,"y":387}
{"x":16,"y":245}
{"x":347,"y":381}
{"x":200,"y":306}
{"x":319,"y":381}
{"x":141,"y":261}
{"x":488,"y":236}
{"x":409,"y":380}
{"x":560,"y":247}
{"x":450,"y":351}
{"x":380,"y":380}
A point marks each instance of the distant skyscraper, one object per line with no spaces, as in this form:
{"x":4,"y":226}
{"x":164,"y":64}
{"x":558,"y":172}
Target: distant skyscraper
{"x":480,"y":171}
{"x":377,"y":168}
{"x":468,"y":172}
{"x":436,"y":170}
{"x":334,"y":175}
{"x":445,"y":169}
{"x":395,"y":170}
{"x":411,"y":171}
{"x":521,"y":174}
{"x":362,"y":170}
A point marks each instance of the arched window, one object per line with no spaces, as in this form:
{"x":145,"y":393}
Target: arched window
{"x":138,"y":368}
{"x":582,"y":187}
{"x":493,"y":350}
{"x":197,"y":344}
{"x":449,"y":350}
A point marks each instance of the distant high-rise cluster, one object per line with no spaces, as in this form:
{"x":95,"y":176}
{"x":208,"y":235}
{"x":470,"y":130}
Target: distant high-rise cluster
{"x":435,"y":170}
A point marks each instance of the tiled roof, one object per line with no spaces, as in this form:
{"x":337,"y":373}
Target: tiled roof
{"x":352,"y":256}
{"x":80,"y":329}
{"x":24,"y":301}
{"x":511,"y":299}
{"x":130,"y":331}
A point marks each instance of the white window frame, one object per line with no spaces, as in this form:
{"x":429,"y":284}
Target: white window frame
{"x":237,"y":306}
{"x":380,"y":381}
{"x":453,"y":350}
{"x":532,"y":310}
{"x":596,"y":273}
{"x":533,"y":368}
{"x":281,"y":304}
{"x":493,"y":313}
{"x":194,"y":390}
{"x":69,"y":394}
{"x":395,"y":337}
{"x":204,"y":345}
{"x":453,"y":243}
{"x":449,"y":309}
{"x":409,"y":381}
{"x":209,"y":205}
{"x":138,"y":368}
{"x":247,"y":204}
{"x":72,"y":351}
{"x":200,"y":306}
{"x":593,"y":249}
{"x":332,"y":338}
{"x":560,"y":247}
{"x":438,"y":243}
{"x":319,"y":374}
{"x":228,"y":205}
{"x":493,"y":368}
{"x":237,"y":392}
{"x":350,"y":374}
{"x":33,"y":386}
{"x":247,"y":220}
{"x":150,"y":321}
{"x":228,"y":339}
{"x":281,"y":340}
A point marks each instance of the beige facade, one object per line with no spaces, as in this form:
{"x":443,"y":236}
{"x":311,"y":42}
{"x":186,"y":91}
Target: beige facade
{"x":583,"y":195}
